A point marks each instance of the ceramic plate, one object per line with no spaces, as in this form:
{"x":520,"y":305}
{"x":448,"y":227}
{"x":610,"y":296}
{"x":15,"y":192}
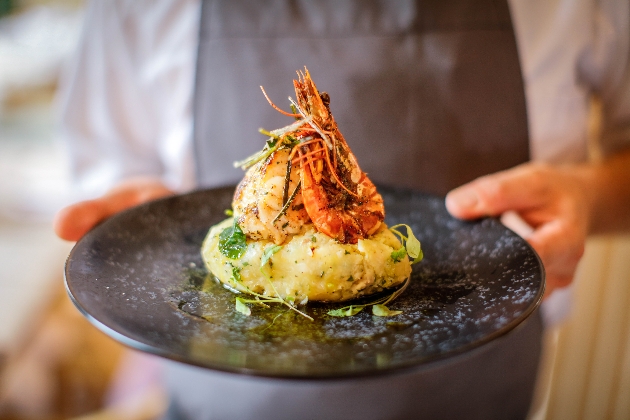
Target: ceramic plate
{"x":139,"y":277}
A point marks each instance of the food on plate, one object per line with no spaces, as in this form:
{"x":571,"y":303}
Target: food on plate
{"x":307,"y":222}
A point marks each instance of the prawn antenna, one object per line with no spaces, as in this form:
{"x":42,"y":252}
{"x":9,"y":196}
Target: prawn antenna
{"x":288,"y":114}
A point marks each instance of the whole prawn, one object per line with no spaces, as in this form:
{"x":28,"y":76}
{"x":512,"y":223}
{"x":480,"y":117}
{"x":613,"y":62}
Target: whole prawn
{"x":337,"y":195}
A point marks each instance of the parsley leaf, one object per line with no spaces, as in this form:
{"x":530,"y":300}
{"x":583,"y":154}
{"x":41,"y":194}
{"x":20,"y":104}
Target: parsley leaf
{"x":232,"y":242}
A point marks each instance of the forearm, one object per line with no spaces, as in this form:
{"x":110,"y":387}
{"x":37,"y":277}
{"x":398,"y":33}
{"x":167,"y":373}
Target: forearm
{"x":607,"y":186}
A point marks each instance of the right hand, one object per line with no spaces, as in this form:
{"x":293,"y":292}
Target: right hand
{"x":556,"y":201}
{"x":74,"y":221}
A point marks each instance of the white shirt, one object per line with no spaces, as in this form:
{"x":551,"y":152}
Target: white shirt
{"x":126,"y":101}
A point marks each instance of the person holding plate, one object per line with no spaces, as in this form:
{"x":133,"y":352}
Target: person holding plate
{"x":486,"y":102}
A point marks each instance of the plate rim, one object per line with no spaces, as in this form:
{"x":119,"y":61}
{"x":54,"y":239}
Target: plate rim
{"x":409,"y":366}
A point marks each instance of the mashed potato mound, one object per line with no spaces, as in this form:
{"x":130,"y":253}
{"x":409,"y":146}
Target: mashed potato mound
{"x":311,"y":265}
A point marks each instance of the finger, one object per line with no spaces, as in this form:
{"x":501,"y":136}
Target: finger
{"x":514,"y":221}
{"x":74,"y":221}
{"x":520,"y":188}
{"x":560,"y":247}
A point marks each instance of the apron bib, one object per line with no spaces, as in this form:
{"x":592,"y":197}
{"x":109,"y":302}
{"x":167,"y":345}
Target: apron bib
{"x":428,"y":95}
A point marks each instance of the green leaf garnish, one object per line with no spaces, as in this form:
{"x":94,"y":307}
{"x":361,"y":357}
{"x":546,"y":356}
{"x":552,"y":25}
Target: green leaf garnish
{"x":242,"y":307}
{"x":411,"y":243}
{"x":399,"y":254}
{"x":346,"y":311}
{"x":228,"y":212}
{"x":268,"y":253}
{"x":236,"y":273}
{"x":382,"y":310}
{"x":232,"y":242}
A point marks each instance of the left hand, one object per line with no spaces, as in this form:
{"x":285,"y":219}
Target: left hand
{"x":554,"y":201}
{"x":74,"y":221}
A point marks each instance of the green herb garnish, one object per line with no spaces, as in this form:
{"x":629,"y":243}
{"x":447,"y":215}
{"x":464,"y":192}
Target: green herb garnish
{"x":267,"y":254}
{"x":346,"y":311}
{"x":382,"y":310}
{"x":411,"y":243}
{"x":398,"y":255}
{"x":378,"y":306}
{"x":236,"y":273}
{"x":242,"y":307}
{"x":232,"y":242}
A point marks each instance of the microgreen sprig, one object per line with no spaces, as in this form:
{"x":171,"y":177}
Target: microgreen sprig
{"x":410,"y":243}
{"x":277,"y":139}
{"x":379,"y":307}
{"x":241,"y":303}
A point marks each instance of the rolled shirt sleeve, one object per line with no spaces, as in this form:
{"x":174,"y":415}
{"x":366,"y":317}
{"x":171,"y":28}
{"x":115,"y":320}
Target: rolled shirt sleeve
{"x":605,"y":68}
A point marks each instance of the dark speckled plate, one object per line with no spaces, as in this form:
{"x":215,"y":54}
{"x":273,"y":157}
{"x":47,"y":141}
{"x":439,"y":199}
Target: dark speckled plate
{"x":139,"y":277}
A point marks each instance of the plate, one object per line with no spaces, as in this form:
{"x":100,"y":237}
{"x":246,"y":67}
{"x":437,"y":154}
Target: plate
{"x":139,"y":277}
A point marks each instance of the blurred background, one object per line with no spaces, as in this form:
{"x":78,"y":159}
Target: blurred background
{"x":54,"y":365}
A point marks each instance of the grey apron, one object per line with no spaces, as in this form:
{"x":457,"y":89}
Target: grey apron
{"x":428,"y":95}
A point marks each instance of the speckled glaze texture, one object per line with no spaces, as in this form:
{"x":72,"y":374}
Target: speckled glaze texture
{"x":139,"y":277}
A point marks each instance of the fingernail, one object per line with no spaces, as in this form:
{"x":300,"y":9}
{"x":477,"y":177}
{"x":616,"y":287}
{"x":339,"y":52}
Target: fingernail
{"x":463,"y":198}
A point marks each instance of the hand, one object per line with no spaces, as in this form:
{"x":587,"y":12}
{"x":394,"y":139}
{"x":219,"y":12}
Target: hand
{"x":74,"y":221}
{"x":554,"y":201}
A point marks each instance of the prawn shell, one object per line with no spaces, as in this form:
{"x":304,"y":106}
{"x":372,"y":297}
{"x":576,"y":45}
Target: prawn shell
{"x":360,"y":217}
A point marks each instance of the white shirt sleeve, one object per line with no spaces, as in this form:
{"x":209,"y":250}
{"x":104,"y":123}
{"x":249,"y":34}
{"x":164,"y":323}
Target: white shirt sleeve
{"x":125,"y":101}
{"x":571,"y":50}
{"x":605,"y":67}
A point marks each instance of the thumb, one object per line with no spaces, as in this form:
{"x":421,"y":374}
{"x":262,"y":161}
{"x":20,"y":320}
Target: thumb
{"x":517,"y":189}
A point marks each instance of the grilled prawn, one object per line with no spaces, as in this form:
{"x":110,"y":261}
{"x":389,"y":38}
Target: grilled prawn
{"x":307,"y":173}
{"x":260,"y":197}
{"x":312,"y":219}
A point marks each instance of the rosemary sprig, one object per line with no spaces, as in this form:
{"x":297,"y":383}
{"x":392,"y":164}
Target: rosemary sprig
{"x":284,"y":208}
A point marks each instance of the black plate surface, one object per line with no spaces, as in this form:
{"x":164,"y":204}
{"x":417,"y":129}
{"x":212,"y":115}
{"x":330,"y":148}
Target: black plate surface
{"x":139,"y":277}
